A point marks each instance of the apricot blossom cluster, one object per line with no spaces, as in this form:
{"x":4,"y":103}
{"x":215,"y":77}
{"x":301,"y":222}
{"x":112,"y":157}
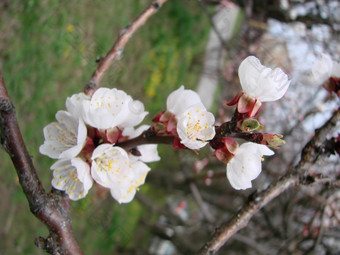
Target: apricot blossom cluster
{"x":87,"y":138}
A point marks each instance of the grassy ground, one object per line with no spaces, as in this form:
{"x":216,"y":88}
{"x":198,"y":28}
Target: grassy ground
{"x":47,"y":52}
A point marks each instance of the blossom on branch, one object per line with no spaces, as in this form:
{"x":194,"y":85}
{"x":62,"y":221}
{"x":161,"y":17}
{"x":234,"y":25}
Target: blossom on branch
{"x":182,"y":99}
{"x":262,"y":82}
{"x":322,"y":69}
{"x":195,"y":125}
{"x":109,"y":108}
{"x":245,"y":166}
{"x":112,"y":168}
{"x":259,"y":84}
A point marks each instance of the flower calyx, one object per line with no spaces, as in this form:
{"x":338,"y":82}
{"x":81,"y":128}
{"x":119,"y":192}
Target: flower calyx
{"x":246,"y":104}
{"x":226,"y":150}
{"x":273,"y":140}
{"x":333,"y":85}
{"x":165,"y":123}
{"x":249,"y":125}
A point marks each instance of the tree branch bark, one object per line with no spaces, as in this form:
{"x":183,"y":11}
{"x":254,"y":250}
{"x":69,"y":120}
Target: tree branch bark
{"x":52,"y":209}
{"x":309,"y":155}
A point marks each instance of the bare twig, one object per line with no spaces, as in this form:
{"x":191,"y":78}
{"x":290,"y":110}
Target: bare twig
{"x":52,"y":209}
{"x":309,"y":155}
{"x":117,"y":50}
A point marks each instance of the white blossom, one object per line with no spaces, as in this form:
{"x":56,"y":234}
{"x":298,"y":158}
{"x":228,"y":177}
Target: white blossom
{"x":72,"y":176}
{"x":245,"y":166}
{"x":112,"y":168}
{"x":110,"y":108}
{"x":195,"y":125}
{"x":65,"y":138}
{"x":322,"y":69}
{"x":262,"y":82}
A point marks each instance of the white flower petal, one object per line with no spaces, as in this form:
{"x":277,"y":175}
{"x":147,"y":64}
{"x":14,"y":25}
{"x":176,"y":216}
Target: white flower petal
{"x":72,"y":176}
{"x":65,"y":118}
{"x":180,"y":100}
{"x":74,"y":104}
{"x":81,"y":140}
{"x":83,"y":172}
{"x":245,"y":166}
{"x":148,"y":152}
{"x":261,"y":82}
{"x":136,"y":114}
{"x":132,"y":132}
{"x":125,"y":193}
{"x":122,"y":194}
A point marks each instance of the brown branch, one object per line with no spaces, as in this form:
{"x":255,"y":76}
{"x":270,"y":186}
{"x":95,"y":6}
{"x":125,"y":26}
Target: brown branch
{"x":309,"y":155}
{"x":144,"y":138}
{"x":52,"y":209}
{"x":117,"y":50}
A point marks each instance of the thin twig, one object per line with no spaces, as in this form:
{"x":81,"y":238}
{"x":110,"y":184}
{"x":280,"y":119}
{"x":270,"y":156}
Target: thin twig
{"x":117,"y":50}
{"x":310,"y":154}
{"x":52,"y":209}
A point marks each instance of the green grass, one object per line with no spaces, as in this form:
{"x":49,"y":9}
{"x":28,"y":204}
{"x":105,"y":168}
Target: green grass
{"x":47,"y":52}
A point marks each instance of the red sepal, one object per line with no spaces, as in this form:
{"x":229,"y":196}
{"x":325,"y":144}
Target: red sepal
{"x":177,"y":143}
{"x":235,"y":99}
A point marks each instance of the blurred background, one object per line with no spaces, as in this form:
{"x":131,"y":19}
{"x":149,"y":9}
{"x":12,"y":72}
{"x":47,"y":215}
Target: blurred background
{"x":48,"y":51}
